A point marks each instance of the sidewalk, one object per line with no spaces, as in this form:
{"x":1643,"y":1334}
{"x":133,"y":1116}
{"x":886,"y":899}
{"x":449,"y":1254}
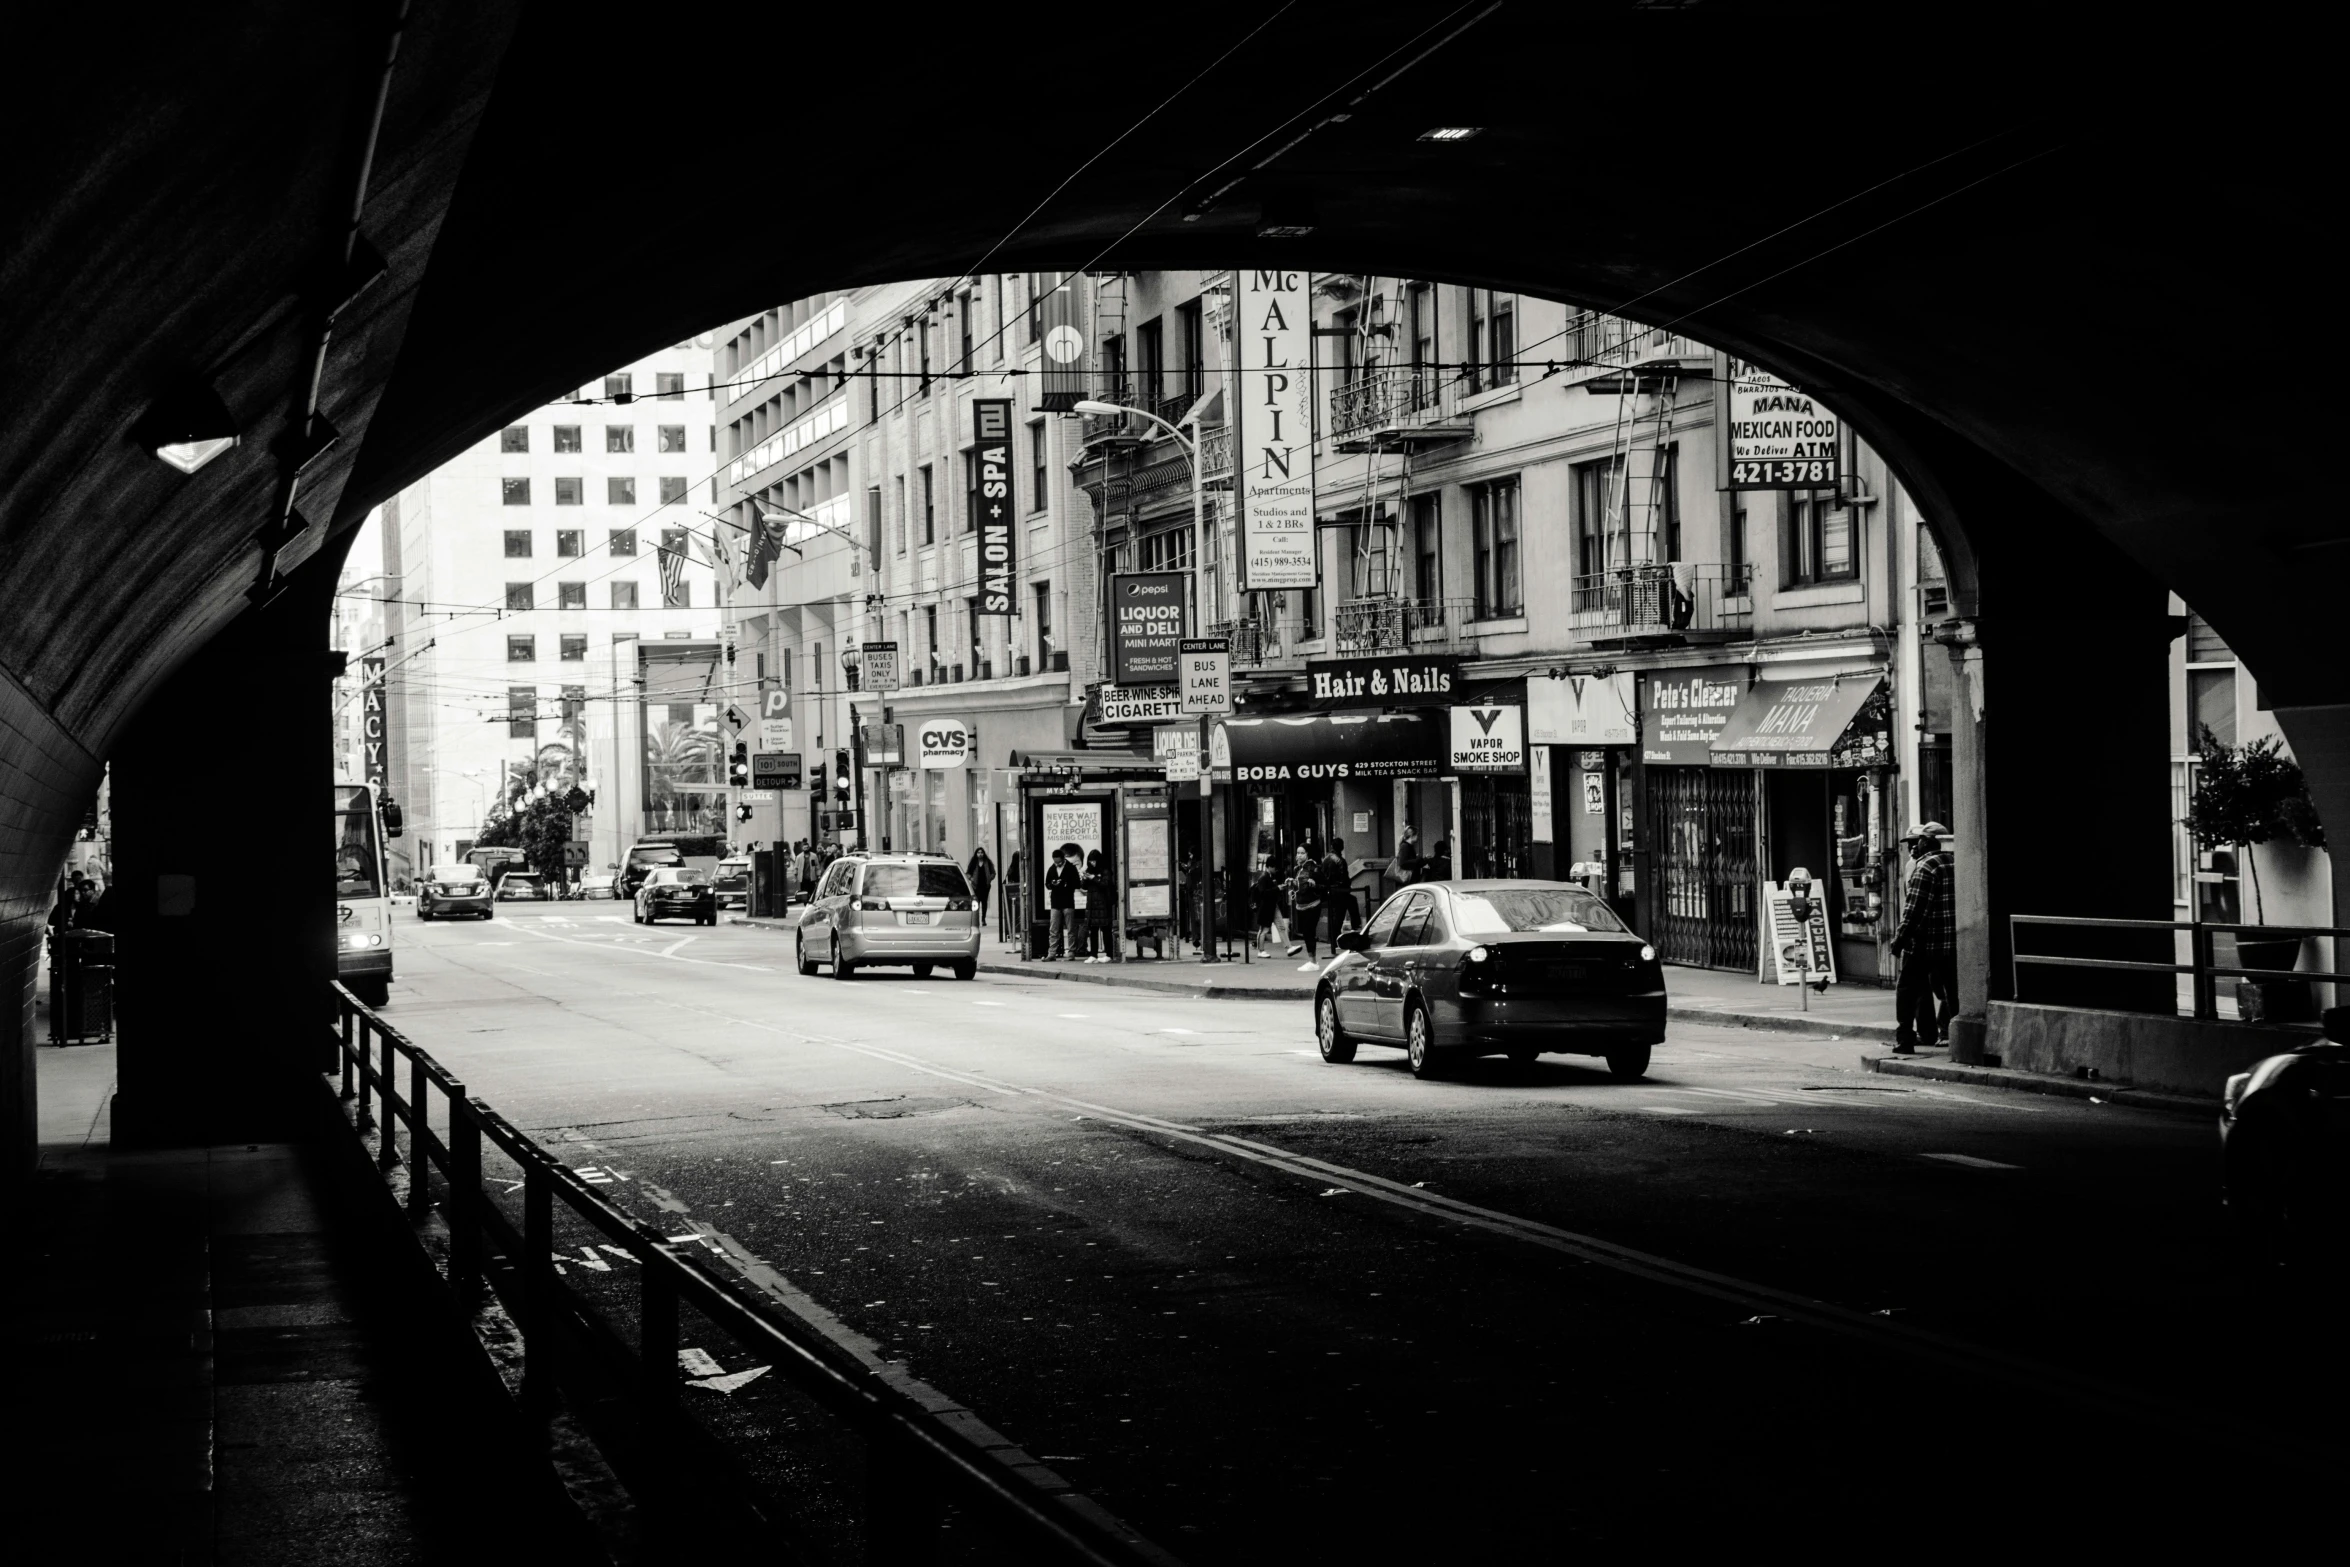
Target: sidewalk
{"x":215,"y":1368}
{"x":1695,"y":995}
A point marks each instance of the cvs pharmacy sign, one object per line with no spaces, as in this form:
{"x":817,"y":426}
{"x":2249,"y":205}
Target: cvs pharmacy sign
{"x":944,"y":743}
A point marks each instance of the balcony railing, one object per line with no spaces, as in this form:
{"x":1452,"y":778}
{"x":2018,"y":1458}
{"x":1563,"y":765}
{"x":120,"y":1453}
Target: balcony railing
{"x":1596,"y":336}
{"x":1661,"y":599}
{"x":1255,"y":643}
{"x":1100,"y":427}
{"x":1215,"y":454}
{"x":1398,"y":395}
{"x":1397,"y":625}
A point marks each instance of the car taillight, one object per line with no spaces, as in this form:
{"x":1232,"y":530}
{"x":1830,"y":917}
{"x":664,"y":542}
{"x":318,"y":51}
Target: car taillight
{"x":959,"y":905}
{"x":874,"y":905}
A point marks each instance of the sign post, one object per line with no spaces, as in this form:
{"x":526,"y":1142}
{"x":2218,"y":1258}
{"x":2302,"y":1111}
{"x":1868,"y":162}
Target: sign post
{"x":1205,"y":669}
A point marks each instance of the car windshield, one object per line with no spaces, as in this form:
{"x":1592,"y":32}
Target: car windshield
{"x":658,"y":854}
{"x":683,"y":876}
{"x":915,"y":881}
{"x":522,"y":879}
{"x":456,"y":873}
{"x":1568,"y":909}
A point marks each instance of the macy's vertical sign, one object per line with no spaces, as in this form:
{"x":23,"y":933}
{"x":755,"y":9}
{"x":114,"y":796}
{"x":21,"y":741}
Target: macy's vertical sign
{"x":372,"y":730}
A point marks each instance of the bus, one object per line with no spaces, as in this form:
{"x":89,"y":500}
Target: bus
{"x":495,"y":863}
{"x":363,"y":909}
{"x":700,"y":850}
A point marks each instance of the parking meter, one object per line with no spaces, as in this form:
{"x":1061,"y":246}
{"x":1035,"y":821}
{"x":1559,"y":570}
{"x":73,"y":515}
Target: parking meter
{"x":1799,"y":902}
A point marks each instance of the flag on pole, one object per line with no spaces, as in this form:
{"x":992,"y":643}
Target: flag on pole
{"x":766,"y":545}
{"x":671,"y":554}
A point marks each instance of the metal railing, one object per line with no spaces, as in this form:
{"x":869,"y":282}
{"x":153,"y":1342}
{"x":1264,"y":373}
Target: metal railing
{"x":2202,"y":951}
{"x":1100,"y":427}
{"x":1255,"y":643}
{"x":1391,"y":396}
{"x":1397,"y":625}
{"x":917,"y":1462}
{"x":1215,"y":453}
{"x":1657,"y":598}
{"x":1596,"y":335}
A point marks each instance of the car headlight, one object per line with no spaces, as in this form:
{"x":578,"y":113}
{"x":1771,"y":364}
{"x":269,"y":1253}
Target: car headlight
{"x":1480,"y":954}
{"x":356,"y":939}
{"x":1648,"y":954}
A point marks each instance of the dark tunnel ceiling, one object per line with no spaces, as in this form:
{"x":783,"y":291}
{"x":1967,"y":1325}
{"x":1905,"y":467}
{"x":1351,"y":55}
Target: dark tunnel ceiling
{"x":2071,"y":256}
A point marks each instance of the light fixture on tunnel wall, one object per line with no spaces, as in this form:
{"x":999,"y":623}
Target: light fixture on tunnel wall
{"x":1450,"y":132}
{"x":188,"y":426}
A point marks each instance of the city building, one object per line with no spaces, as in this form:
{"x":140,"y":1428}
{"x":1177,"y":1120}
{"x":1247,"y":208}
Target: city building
{"x":521,"y":582}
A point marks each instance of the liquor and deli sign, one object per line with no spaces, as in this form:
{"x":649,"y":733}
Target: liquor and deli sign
{"x":1383,"y":682}
{"x":1147,"y":614}
{"x":1681,"y":710}
{"x":1780,"y":437}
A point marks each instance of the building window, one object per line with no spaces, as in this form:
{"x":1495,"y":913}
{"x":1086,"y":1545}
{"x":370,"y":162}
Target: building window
{"x":522,"y":650}
{"x":873,"y":524}
{"x":620,"y":492}
{"x":620,"y":438}
{"x":518,"y":544}
{"x":930,"y":637}
{"x":672,"y":489}
{"x":970,"y":490}
{"x":568,"y":491}
{"x":622,"y":541}
{"x":1042,"y":594}
{"x":1192,"y":343}
{"x":1037,"y":449}
{"x":1493,"y":336}
{"x":570,"y":541}
{"x":922,"y":342}
{"x":514,"y":438}
{"x":1817,"y":546}
{"x":619,"y":386}
{"x":1420,"y":322}
{"x":624,"y":595}
{"x":1595,"y":497}
{"x":1170,"y":549}
{"x":520,"y":596}
{"x":963,"y":304}
{"x":571,"y":595}
{"x":901,"y":482}
{"x":522,"y":710}
{"x":1667,"y":503}
{"x":575,"y":645}
{"x":567,"y":438}
{"x":2211,"y":703}
{"x":1428,"y":548}
{"x":515,"y":492}
{"x":1737,"y":548}
{"x":669,"y":386}
{"x":1494,"y":532}
{"x":929,"y":506}
{"x":1113,"y":373}
{"x":1150,"y":362}
{"x":670,"y":437}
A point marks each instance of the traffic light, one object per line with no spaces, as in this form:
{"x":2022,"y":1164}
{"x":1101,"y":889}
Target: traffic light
{"x":738,"y":771}
{"x":394,"y":823}
{"x":816,"y":781}
{"x":840,"y":773}
{"x":742,"y":813}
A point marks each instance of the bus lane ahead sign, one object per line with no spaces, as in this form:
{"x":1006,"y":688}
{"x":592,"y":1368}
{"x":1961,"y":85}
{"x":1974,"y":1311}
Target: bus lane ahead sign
{"x":1489,"y":738}
{"x":1207,"y":674}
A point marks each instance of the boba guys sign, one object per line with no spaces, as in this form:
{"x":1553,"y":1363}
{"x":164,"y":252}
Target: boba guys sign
{"x":1382,"y":682}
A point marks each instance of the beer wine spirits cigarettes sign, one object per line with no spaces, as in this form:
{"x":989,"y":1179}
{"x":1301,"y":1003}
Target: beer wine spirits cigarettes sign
{"x":1140,"y":704}
{"x":1780,"y":438}
{"x":1275,"y":455}
{"x":991,"y":435}
{"x":1489,"y":739}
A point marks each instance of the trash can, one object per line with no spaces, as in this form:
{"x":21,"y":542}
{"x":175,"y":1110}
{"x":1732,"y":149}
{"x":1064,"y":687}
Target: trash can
{"x":1040,"y":940}
{"x":81,"y":985}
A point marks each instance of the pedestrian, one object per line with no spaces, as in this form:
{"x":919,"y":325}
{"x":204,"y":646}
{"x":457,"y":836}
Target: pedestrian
{"x":807,"y":872}
{"x":1101,"y":905}
{"x":1014,"y":906}
{"x":981,"y":870}
{"x":1060,"y":896}
{"x":1407,"y":856}
{"x":1338,"y":893}
{"x":1264,"y":905}
{"x":1926,"y":942}
{"x":1439,"y":863}
{"x":1305,"y":898}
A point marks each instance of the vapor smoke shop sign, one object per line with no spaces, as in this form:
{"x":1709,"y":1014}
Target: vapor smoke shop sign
{"x":991,"y":506}
{"x":1383,"y":682}
{"x":1682,"y":710}
{"x":1147,"y":614}
{"x":1274,"y":454}
{"x":1780,"y":437}
{"x":1489,"y":738}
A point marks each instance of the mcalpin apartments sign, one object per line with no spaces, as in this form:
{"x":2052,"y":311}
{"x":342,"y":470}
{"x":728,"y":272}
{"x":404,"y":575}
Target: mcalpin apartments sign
{"x":1383,"y":682}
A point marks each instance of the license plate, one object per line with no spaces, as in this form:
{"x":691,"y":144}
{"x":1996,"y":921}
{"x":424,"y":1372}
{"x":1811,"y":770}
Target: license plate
{"x":914,"y":919}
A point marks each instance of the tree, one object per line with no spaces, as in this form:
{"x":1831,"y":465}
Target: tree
{"x":2247,"y":795}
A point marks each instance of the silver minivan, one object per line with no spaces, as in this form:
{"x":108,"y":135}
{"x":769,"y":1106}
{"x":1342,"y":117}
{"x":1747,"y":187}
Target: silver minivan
{"x":873,"y":909}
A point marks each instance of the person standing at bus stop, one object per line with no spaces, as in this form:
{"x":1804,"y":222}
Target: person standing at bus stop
{"x":981,"y":872}
{"x":1927,"y":943}
{"x":1060,"y":896}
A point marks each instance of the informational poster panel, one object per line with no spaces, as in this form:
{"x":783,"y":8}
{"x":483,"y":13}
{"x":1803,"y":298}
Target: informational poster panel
{"x":1150,"y":860}
{"x":1274,"y":451}
{"x":1075,"y":823}
{"x":1780,"y":438}
{"x":1538,"y":827}
{"x":1788,"y":939}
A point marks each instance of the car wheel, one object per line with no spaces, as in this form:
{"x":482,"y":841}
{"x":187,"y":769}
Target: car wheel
{"x":371,"y":992}
{"x":422,"y":912}
{"x":1337,"y":1046}
{"x":1419,"y":1036}
{"x":967,"y":969}
{"x":1629,"y":1063}
{"x":921,"y":971}
{"x":800,"y":950}
{"x":842,"y":968}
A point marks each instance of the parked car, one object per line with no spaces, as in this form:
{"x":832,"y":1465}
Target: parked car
{"x":453,"y":889}
{"x":877,"y":909}
{"x":1452,"y":970}
{"x":2284,"y":1130}
{"x":734,"y":883}
{"x":521,"y":887}
{"x":677,"y":892}
{"x":598,"y":884}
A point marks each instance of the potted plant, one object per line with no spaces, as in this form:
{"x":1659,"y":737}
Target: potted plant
{"x":2252,"y":794}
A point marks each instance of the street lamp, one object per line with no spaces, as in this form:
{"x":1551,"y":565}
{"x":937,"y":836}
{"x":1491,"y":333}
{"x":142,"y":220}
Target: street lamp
{"x":1199,"y":535}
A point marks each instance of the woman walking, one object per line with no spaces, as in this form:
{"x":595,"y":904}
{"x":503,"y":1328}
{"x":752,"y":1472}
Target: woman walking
{"x":1305,"y":900}
{"x":1100,"y":902}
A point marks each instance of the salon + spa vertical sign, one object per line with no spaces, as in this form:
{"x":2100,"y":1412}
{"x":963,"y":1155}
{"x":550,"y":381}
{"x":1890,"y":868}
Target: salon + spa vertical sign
{"x":1274,"y":454}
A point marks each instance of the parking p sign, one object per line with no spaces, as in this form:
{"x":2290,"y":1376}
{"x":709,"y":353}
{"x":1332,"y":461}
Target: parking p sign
{"x":1206,"y":674}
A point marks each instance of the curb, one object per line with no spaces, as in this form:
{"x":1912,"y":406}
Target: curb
{"x":2042,"y":1083}
{"x":1205,"y":989}
{"x":1785,"y":1022}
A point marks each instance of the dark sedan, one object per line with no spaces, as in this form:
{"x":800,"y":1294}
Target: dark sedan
{"x":1451,"y":970}
{"x":677,"y":892}
{"x":2284,"y":1131}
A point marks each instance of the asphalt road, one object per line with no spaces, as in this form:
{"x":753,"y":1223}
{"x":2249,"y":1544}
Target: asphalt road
{"x":1268,"y":1309}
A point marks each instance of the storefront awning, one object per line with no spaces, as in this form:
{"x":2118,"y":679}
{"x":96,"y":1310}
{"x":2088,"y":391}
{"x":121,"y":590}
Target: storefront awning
{"x":1308,"y":746}
{"x":1081,"y":764}
{"x":1832,"y":721}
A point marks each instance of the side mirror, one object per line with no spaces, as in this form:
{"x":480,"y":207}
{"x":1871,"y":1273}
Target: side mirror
{"x":1351,"y":941}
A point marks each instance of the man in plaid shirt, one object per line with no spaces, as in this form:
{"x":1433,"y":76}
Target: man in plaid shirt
{"x":1927,"y":943}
